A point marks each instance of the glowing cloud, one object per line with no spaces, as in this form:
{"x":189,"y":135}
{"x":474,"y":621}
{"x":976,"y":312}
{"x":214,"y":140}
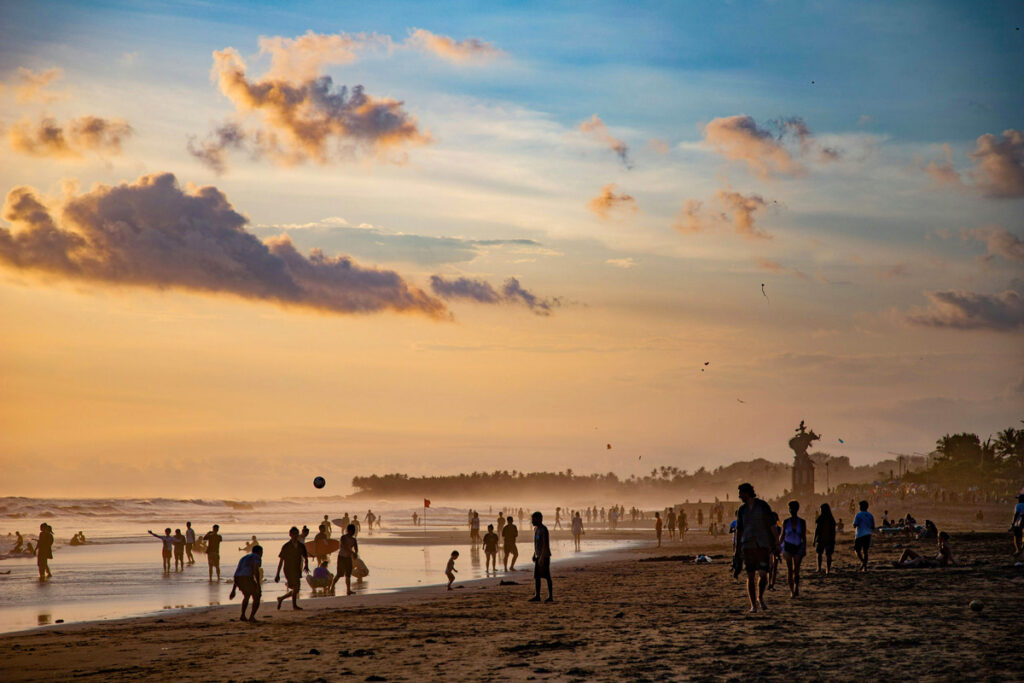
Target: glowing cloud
{"x":999,"y":164}
{"x":743,"y":208}
{"x":595,"y":128}
{"x":468,"y":51}
{"x":738,"y":138}
{"x":483,"y":292}
{"x":688,"y":220}
{"x":608,"y":201}
{"x":302,"y":58}
{"x":47,"y":138}
{"x":150,"y":233}
{"x":30,"y":86}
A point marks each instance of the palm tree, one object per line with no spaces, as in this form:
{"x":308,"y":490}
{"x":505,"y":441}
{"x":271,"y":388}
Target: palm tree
{"x":1009,"y":446}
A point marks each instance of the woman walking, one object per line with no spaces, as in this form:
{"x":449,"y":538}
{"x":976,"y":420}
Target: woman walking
{"x":794,"y":546}
{"x":825,"y":536}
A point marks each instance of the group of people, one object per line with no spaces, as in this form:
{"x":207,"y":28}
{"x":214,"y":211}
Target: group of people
{"x":509,"y":531}
{"x":182,"y":546}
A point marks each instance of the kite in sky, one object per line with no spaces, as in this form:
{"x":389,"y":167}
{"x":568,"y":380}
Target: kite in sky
{"x":765,"y":293}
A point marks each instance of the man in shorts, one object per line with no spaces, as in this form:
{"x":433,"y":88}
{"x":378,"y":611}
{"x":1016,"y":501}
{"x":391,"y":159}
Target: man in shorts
{"x":294,"y":560}
{"x":755,"y":542}
{"x":213,"y":539}
{"x":346,"y":556}
{"x":864,"y":523}
{"x":247,"y":580}
{"x":490,"y":550}
{"x":509,"y":534}
{"x":190,"y":542}
{"x":541,"y":557}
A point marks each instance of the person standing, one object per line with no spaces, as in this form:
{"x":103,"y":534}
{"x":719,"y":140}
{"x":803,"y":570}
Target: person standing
{"x":577,"y":529}
{"x":294,"y":559}
{"x":683,"y":522}
{"x":1017,"y":526}
{"x":755,"y":541}
{"x":190,"y":542}
{"x":794,"y":546}
{"x":347,"y":554}
{"x":247,"y":580}
{"x":474,"y":529}
{"x":558,"y":518}
{"x":657,"y":527}
{"x":44,"y":551}
{"x":864,"y":523}
{"x":509,"y":535}
{"x":541,"y":557}
{"x":179,"y":550}
{"x":213,"y":539}
{"x":490,"y":550}
{"x":167,"y":549}
{"x":327,"y":526}
{"x":825,"y":536}
{"x":671,"y":523}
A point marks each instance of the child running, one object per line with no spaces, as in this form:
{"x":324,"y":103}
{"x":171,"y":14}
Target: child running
{"x":450,"y":570}
{"x":247,"y":580}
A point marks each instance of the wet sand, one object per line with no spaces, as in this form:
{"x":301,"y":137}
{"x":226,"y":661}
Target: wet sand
{"x":631,"y":615}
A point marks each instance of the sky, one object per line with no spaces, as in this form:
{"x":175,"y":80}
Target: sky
{"x":242,"y":245}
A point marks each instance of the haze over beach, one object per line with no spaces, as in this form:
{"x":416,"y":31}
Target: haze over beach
{"x":269,"y":264}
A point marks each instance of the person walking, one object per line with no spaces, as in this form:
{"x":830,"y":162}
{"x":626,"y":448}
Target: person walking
{"x":794,"y":546}
{"x":347,"y":554}
{"x":247,"y":580}
{"x":755,"y":541}
{"x":577,"y":529}
{"x":825,"y":536}
{"x":213,"y":539}
{"x":490,"y":550}
{"x":657,"y":527}
{"x":474,"y":529}
{"x":864,"y":523}
{"x":44,"y":551}
{"x":509,"y":535}
{"x":541,"y":557}
{"x":294,"y":559}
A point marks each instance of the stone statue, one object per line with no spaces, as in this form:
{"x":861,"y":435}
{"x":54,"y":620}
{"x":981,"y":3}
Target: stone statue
{"x":803,"y":440}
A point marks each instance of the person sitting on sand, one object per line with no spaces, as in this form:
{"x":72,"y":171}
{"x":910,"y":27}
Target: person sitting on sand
{"x":293,"y":558}
{"x":490,"y":550}
{"x":930,"y":530}
{"x":825,"y":536}
{"x":450,"y":569}
{"x":178,"y":541}
{"x":794,"y":546}
{"x":864,"y":523}
{"x":247,"y":580}
{"x":347,"y":553}
{"x":577,"y":530}
{"x":541,"y":557}
{"x":509,"y":535}
{"x":755,"y":541}
{"x":44,"y":551}
{"x":249,"y":545}
{"x":943,"y":558}
{"x":167,"y":549}
{"x":1016,"y":526}
{"x":213,"y":539}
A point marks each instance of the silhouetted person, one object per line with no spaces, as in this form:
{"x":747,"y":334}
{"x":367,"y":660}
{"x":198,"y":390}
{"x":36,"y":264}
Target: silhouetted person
{"x":657,"y":527}
{"x":178,"y":541}
{"x":347,"y":554}
{"x":490,"y":549}
{"x":247,"y":580}
{"x":509,"y":535}
{"x":776,"y":558}
{"x":19,"y":542}
{"x":541,"y":557}
{"x":450,"y":569}
{"x":327,"y":526}
{"x":864,"y":523}
{"x":213,"y":539}
{"x":44,"y":551}
{"x":794,"y":546}
{"x":671,"y":522}
{"x":167,"y":549}
{"x":755,"y":542}
{"x":825,"y":536}
{"x":558,"y":518}
{"x":577,"y":529}
{"x":943,"y":558}
{"x":1017,"y":526}
{"x":294,"y":560}
{"x":474,"y":529}
{"x":190,"y":542}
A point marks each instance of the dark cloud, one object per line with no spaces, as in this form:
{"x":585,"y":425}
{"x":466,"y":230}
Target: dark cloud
{"x":483,"y":292}
{"x":150,"y":233}
{"x":1000,"y":242}
{"x":72,"y":140}
{"x":213,"y":150}
{"x":1003,"y":312}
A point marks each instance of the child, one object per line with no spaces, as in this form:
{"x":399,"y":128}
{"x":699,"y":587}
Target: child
{"x":450,"y":570}
{"x":247,"y":580}
{"x":490,"y":549}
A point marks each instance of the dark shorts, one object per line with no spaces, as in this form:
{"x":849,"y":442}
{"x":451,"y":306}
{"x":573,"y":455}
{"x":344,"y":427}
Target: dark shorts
{"x":1018,"y":532}
{"x":862,"y":543}
{"x":293,"y":579}
{"x":167,"y":552}
{"x":794,"y":549}
{"x":511,"y":548}
{"x":542,"y":568}
{"x":344,"y":566}
{"x":213,"y":559}
{"x":826,"y":548}
{"x":756,"y":559}
{"x":248,"y":585}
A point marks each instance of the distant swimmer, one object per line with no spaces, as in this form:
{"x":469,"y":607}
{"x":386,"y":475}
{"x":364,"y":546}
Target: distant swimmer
{"x":541,"y":557}
{"x":755,"y":541}
{"x":213,"y":539}
{"x":168,"y":547}
{"x":247,"y":580}
{"x":178,"y":541}
{"x":825,"y":536}
{"x":490,"y":550}
{"x":509,"y":534}
{"x":294,"y":560}
{"x":794,"y":546}
{"x":577,"y":529}
{"x":190,"y":542}
{"x":44,"y":551}
{"x":450,"y":569}
{"x":864,"y":523}
{"x":347,"y":554}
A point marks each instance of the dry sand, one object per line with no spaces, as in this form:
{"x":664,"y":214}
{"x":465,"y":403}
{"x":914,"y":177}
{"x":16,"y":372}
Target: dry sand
{"x":636,"y":615}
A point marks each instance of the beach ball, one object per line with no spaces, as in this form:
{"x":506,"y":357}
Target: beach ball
{"x":319,"y":482}
{"x":977,"y":605}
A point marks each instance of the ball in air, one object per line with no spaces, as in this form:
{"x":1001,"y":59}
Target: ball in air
{"x":319,"y":482}
{"x":977,"y":605}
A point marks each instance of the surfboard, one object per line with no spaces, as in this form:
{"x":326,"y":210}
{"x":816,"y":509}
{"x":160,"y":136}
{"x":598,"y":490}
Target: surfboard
{"x":359,"y":568}
{"x":331,"y":545}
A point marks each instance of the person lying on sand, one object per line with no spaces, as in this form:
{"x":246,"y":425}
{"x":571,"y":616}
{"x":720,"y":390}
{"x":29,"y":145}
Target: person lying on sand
{"x":450,"y":570}
{"x":911,"y":560}
{"x":247,"y":580}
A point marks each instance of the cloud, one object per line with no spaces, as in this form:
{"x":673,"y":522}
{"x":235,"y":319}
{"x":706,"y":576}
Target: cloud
{"x":892,"y":272}
{"x":743,"y":208}
{"x":943,"y":172}
{"x":738,"y":138}
{"x":483,"y":292}
{"x":30,"y":86}
{"x":688,"y":219}
{"x":301,"y":59}
{"x":306,"y":119}
{"x":798,"y":128}
{"x":150,"y":233}
{"x":47,"y":138}
{"x":659,"y":146}
{"x":999,"y":164}
{"x":213,"y":150}
{"x":468,"y":51}
{"x":960,"y":310}
{"x":608,"y":201}
{"x":1000,"y":242}
{"x":627,"y":262}
{"x":776,"y":267}
{"x":595,"y":128}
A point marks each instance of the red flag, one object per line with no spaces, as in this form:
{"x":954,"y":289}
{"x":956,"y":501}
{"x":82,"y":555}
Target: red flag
{"x":426,"y":502}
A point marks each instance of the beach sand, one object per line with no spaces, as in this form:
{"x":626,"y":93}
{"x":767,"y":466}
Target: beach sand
{"x":632,"y":615}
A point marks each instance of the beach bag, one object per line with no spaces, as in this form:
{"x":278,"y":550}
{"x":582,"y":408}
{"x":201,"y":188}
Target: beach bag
{"x":359,"y":568}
